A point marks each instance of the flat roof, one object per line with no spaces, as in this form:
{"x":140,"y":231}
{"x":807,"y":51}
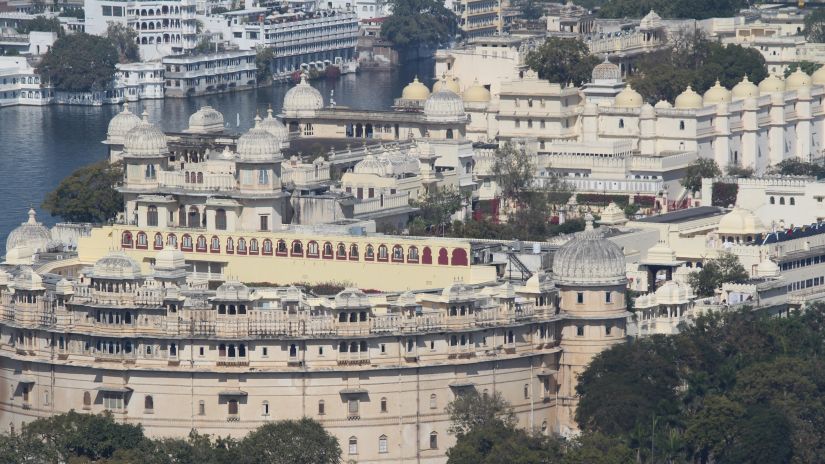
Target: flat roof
{"x":684,"y":215}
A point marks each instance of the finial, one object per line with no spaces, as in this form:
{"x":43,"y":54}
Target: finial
{"x":125,"y":107}
{"x":257,"y":119}
{"x":32,"y":214}
{"x":588,"y":222}
{"x":303,"y":78}
{"x":145,"y":116}
{"x":269,"y":111}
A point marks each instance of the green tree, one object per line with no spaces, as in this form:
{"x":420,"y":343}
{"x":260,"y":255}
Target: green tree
{"x":696,"y":171}
{"x":471,"y":411}
{"x":301,"y":441}
{"x":88,"y":194}
{"x":735,"y":170}
{"x":530,"y":9}
{"x":263,"y":59}
{"x":218,"y":10}
{"x":596,"y":448}
{"x":724,"y":269}
{"x":807,"y":67}
{"x":797,"y":167}
{"x":124,"y":38}
{"x":563,"y":60}
{"x":416,"y":23}
{"x":514,"y":170}
{"x":495,"y":443}
{"x":438,"y":206}
{"x":79,"y":63}
{"x":42,"y":24}
{"x":815,"y":25}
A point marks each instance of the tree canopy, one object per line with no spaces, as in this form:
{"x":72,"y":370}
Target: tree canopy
{"x":737,"y":387}
{"x":797,"y":167}
{"x":715,"y":272}
{"x":419,"y":22}
{"x":693,"y":60}
{"x":563,"y":60}
{"x":693,"y":9}
{"x":88,"y":194}
{"x":124,"y":38}
{"x":42,"y":24}
{"x":79,"y":63}
{"x":701,"y":168}
{"x":84,"y":438}
{"x":815,"y":25}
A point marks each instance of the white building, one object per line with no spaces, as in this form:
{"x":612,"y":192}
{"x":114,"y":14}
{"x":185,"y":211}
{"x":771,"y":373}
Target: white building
{"x":164,"y":27}
{"x":209,"y":72}
{"x":140,"y":81}
{"x":20,"y":85}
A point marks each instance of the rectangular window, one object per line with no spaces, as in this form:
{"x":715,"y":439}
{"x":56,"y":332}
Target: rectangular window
{"x":107,"y":10}
{"x":200,"y":351}
{"x":264,"y":222}
{"x":608,"y":297}
{"x":113,"y":401}
{"x":117,"y":11}
{"x":383,"y":348}
{"x":264,"y":351}
{"x":608,"y":329}
{"x":201,"y":408}
{"x":352,"y":407}
{"x":580,"y":331}
{"x":320,"y":351}
{"x":579,"y":297}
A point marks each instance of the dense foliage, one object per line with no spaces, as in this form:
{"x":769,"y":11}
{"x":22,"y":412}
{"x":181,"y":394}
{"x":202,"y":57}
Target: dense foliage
{"x":88,"y":194}
{"x":563,"y":61}
{"x":124,"y":38}
{"x":735,"y":388}
{"x":693,"y":9}
{"x":693,"y":60}
{"x":797,"y":167}
{"x":701,"y":168}
{"x":725,"y":268}
{"x":84,"y":438}
{"x":42,"y":24}
{"x":815,"y":25}
{"x":724,"y":194}
{"x":263,"y":61}
{"x":79,"y":63}
{"x":807,"y":67}
{"x":416,"y":23}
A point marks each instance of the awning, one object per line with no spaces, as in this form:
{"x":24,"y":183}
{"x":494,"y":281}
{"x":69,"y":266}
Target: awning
{"x":114,"y":389}
{"x":27,"y":379}
{"x":232,"y":393}
{"x":545,"y":372}
{"x":462,"y":384}
{"x":353,"y":391}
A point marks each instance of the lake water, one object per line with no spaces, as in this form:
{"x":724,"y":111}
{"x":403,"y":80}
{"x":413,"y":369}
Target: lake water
{"x":39,"y":146}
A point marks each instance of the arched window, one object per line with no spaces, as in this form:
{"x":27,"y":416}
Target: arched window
{"x":353,"y":445}
{"x":148,"y":403}
{"x":621,"y":123}
{"x":152,"y":216}
{"x":215,"y":244}
{"x":253,"y":246}
{"x":459,"y":257}
{"x":87,"y":400}
{"x":781,"y":200}
{"x":792,"y":201}
{"x":382,"y":253}
{"x":427,"y":256}
{"x":412,"y":254}
{"x":201,"y":243}
{"x":321,"y":409}
{"x":158,"y":241}
{"x":383,"y":405}
{"x":342,"y":347}
{"x":449,"y":133}
{"x":142,"y":240}
{"x":265,"y":408}
{"x":126,"y":239}
{"x":434,"y":440}
{"x":230,"y":245}
{"x":267,"y":247}
{"x":312,"y":249}
{"x":194,"y":218}
{"x":773,"y":200}
{"x":220,"y":219}
{"x":433,"y":401}
{"x":297,"y":248}
{"x":241,"y":246}
{"x":341,"y":251}
{"x":369,"y":254}
{"x":327,"y":250}
{"x":397,"y":253}
{"x":353,"y":251}
{"x":186,"y":243}
{"x":382,"y":444}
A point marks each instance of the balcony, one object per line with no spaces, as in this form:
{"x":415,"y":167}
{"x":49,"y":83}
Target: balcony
{"x":353,"y":359}
{"x":232,"y":362}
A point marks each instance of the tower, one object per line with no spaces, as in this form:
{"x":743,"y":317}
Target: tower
{"x":591,"y":277}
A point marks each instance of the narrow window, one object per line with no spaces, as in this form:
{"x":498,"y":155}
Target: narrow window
{"x":608,"y":297}
{"x":433,"y":401}
{"x":382,"y":444}
{"x":201,"y":408}
{"x":580,"y":331}
{"x":433,"y":440}
{"x":579,"y":297}
{"x":321,"y":409}
{"x":383,"y":405}
{"x":353,"y":445}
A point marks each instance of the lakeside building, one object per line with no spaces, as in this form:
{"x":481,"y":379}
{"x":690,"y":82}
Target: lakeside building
{"x":302,"y":41}
{"x":164,"y":27}
{"x":480,"y":18}
{"x":140,"y":81}
{"x":188,"y":75}
{"x":20,"y":84}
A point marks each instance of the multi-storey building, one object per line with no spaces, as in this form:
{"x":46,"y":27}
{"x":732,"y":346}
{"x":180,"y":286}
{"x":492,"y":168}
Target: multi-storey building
{"x":164,"y":27}
{"x":302,"y":41}
{"x":140,"y":81}
{"x":480,"y":18}
{"x":377,"y":370}
{"x":20,"y":85}
{"x":200,"y":74}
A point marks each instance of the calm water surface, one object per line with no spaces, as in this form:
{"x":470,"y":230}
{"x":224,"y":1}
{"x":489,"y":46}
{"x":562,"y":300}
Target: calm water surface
{"x":41,"y":146}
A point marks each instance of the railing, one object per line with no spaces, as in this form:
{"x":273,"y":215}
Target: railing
{"x":211,"y":182}
{"x":382,"y":202}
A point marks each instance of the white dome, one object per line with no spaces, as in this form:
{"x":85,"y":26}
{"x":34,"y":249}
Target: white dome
{"x":740,"y":221}
{"x":121,"y":124}
{"x":476,"y":93}
{"x":206,"y":120}
{"x":589,"y":259}
{"x":716,"y":94}
{"x":673,"y":293}
{"x":628,"y":98}
{"x":351,"y":298}
{"x":415,"y":90}
{"x":448,"y":82}
{"x":116,"y":265}
{"x":606,"y":71}
{"x":145,"y":139}
{"x":745,"y":89}
{"x":771,"y":84}
{"x":276,"y":128}
{"x":818,"y":77}
{"x":663,"y":104}
{"x":444,"y":105}
{"x":258,"y":145}
{"x":767,"y":268}
{"x":688,"y":99}
{"x":303,"y":99}
{"x":797,"y":79}
{"x":31,"y":235}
